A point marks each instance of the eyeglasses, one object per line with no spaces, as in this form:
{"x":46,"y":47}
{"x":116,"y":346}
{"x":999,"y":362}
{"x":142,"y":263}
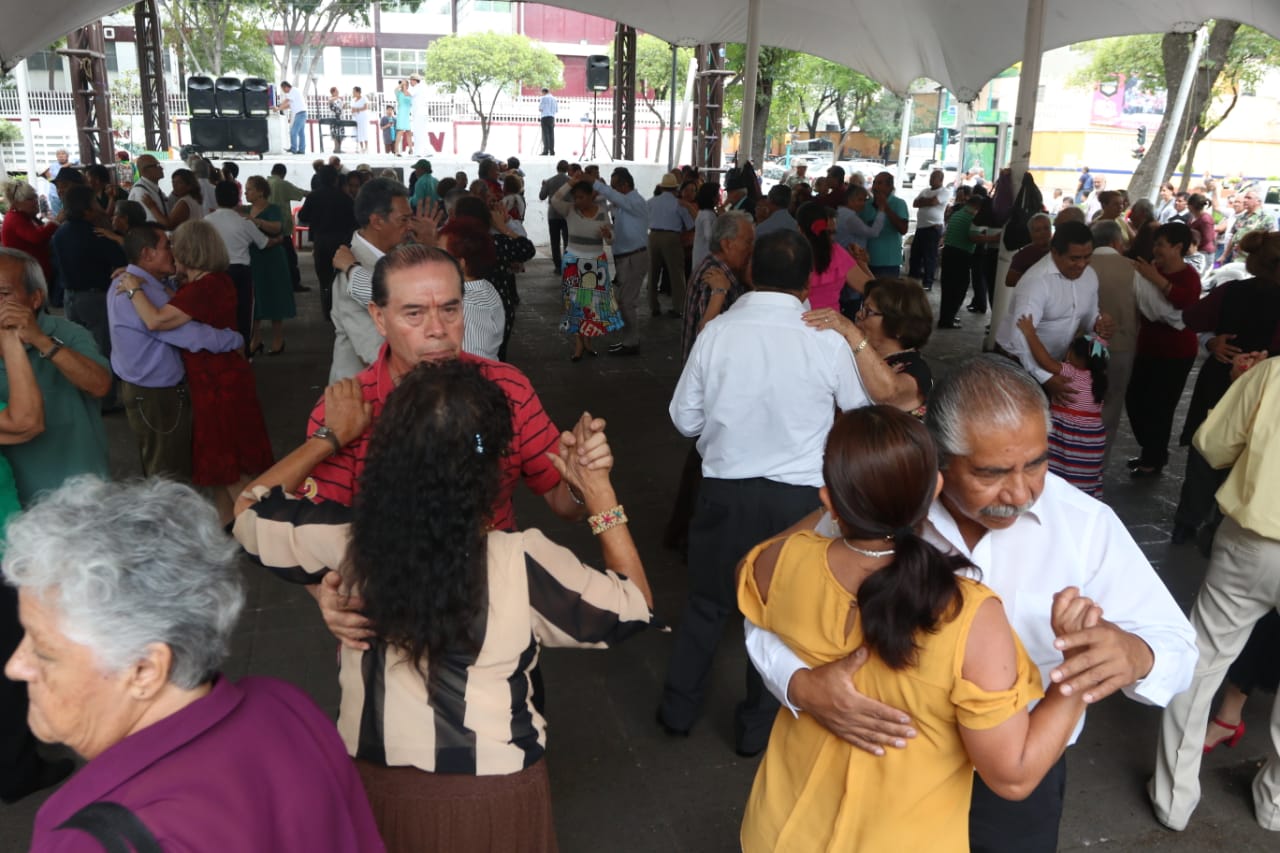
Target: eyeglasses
{"x":864,"y":311}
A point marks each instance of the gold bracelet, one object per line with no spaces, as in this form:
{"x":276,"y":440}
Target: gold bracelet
{"x":860,"y":347}
{"x":602,"y":521}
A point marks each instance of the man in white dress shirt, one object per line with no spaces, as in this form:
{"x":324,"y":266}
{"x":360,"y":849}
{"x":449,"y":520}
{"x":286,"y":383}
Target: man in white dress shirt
{"x":547,"y":118}
{"x":146,"y":190}
{"x":418,"y":95}
{"x":1031,"y":534}
{"x":1060,"y":292}
{"x":759,"y":390}
{"x":929,"y":204}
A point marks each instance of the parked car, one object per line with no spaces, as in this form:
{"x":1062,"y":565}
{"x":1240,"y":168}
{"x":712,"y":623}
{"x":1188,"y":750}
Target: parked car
{"x":868,"y":168}
{"x":1271,"y":200}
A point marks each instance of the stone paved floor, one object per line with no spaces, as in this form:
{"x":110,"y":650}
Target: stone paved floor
{"x":619,"y":783}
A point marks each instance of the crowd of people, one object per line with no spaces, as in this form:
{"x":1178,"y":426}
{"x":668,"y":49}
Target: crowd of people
{"x":933,"y":591}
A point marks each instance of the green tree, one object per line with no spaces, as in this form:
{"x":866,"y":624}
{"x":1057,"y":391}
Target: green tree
{"x":1236,"y":58}
{"x":484,"y":65}
{"x":213,"y":36}
{"x":653,"y":77}
{"x":775,"y":72}
{"x":883,"y":122}
{"x":305,"y":26}
{"x":820,"y":86}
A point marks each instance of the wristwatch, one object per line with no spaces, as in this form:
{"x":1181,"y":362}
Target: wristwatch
{"x":53,"y":350}
{"x":131,"y":291}
{"x":329,"y":436}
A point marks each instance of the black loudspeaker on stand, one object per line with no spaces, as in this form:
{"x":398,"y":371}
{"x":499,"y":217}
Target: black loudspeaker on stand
{"x":230,"y":93}
{"x":597,"y":73}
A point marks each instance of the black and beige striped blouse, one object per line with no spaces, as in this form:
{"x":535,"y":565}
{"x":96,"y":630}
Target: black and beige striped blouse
{"x":470,"y":713}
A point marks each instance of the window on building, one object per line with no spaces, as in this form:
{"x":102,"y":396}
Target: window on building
{"x":43,"y":61}
{"x":304,"y":55}
{"x":357,"y":61}
{"x":398,"y":62}
{"x":483,"y":6}
{"x":113,"y":64}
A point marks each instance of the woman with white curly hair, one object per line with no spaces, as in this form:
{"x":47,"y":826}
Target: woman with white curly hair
{"x":128,"y":594}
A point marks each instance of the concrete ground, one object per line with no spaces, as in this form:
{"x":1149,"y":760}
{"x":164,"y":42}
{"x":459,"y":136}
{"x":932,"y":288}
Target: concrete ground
{"x":618,"y":782}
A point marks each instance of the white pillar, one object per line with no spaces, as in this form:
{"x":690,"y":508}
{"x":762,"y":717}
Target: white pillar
{"x":684,"y":107}
{"x":1020,"y":161}
{"x":1174,"y":118}
{"x":24,"y":107}
{"x":908,"y":104}
{"x":749,"y":82}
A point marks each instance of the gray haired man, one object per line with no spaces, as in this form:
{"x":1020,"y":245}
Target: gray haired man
{"x":1032,"y":534}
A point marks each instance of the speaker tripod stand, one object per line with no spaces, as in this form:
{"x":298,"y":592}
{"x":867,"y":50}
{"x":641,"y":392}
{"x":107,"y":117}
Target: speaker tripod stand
{"x":595,"y":130}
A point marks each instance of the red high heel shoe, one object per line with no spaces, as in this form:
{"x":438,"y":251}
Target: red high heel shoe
{"x":1237,"y":732}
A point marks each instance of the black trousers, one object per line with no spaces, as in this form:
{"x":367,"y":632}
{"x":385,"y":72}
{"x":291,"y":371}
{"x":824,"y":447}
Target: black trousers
{"x":548,"y":134}
{"x":1151,"y":401}
{"x":323,"y":248}
{"x":956,"y":265}
{"x":924,"y":254}
{"x":731,"y":516}
{"x":18,"y":757}
{"x":242,"y":278}
{"x":291,"y":252}
{"x":997,"y":825}
{"x":1197,"y":503}
{"x":982,"y":271}
{"x":559,"y":229}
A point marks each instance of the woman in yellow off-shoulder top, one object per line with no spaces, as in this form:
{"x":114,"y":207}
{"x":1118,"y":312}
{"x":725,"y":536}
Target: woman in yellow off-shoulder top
{"x":940,"y":648}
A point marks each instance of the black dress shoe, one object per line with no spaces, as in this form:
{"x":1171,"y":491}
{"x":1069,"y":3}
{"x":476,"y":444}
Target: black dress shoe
{"x":624,"y":349}
{"x":669,"y":729}
{"x":949,"y":324}
{"x":973,"y":309}
{"x":46,"y":775}
{"x":1182,"y":533}
{"x":674,"y":314}
{"x":1135,"y":462}
{"x":302,"y":288}
{"x":1143,"y":471}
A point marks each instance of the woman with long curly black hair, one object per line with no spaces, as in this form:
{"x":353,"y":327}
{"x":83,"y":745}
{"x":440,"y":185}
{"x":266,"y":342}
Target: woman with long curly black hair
{"x":939,"y":644}
{"x":438,"y":711}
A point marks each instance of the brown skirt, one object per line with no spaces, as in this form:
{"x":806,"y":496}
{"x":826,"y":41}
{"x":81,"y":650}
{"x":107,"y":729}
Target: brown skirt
{"x":418,"y":811}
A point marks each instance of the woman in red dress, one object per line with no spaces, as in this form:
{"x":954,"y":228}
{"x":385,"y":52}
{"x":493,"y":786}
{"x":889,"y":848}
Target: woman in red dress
{"x":229,"y":436}
{"x":22,"y":228}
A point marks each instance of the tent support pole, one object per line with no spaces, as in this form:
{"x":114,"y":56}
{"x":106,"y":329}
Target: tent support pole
{"x":1020,"y":161}
{"x":1174,"y":120}
{"x":749,"y":83}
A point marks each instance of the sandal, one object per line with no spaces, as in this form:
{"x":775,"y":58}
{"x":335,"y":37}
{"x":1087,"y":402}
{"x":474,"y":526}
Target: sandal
{"x":1236,"y":732}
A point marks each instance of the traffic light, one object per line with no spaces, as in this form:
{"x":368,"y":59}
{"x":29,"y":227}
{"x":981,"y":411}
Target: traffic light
{"x":1139,"y":152}
{"x":1142,"y":136}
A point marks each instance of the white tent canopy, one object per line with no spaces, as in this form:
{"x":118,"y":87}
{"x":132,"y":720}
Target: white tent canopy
{"x":960,"y":45}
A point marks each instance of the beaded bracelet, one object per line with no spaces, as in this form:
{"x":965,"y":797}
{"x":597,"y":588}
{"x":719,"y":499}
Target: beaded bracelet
{"x":602,"y":521}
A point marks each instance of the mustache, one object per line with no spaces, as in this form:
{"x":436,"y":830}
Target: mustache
{"x":1005,"y":510}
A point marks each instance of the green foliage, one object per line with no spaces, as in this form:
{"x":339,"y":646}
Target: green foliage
{"x":483,"y":65}
{"x":9,"y":131}
{"x":306,"y":23}
{"x":1251,"y":55}
{"x":218,"y":36}
{"x":883,"y":120}
{"x":653,"y":65}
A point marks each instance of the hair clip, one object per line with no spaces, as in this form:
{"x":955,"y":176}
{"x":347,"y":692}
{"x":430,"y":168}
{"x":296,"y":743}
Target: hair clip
{"x":1098,"y":346}
{"x":479,"y":444}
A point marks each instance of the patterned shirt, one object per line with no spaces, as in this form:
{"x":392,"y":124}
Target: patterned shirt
{"x":335,"y":478}
{"x":472,"y":713}
{"x":699,"y":295}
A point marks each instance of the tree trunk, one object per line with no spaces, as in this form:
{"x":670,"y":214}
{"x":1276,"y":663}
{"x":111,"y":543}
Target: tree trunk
{"x":1175,"y":48}
{"x":484,"y":132}
{"x":764,"y":101}
{"x":662,"y":125}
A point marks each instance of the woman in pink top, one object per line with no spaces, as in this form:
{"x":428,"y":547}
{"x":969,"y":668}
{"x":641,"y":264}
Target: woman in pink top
{"x":833,"y":267}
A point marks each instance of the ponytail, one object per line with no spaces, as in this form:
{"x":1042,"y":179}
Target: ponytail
{"x":916,"y":592}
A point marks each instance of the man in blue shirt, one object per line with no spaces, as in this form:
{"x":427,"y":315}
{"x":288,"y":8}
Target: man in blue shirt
{"x":630,"y":253}
{"x":668,"y":220}
{"x":885,"y":249}
{"x":777,"y":216}
{"x":547,"y":111}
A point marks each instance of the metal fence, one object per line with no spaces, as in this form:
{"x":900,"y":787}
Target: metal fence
{"x":441,"y":109}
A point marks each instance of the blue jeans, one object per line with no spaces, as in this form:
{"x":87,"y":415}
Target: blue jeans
{"x":297,"y":132}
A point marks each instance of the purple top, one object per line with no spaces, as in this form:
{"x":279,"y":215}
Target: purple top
{"x":146,"y":358}
{"x":254,"y":765}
